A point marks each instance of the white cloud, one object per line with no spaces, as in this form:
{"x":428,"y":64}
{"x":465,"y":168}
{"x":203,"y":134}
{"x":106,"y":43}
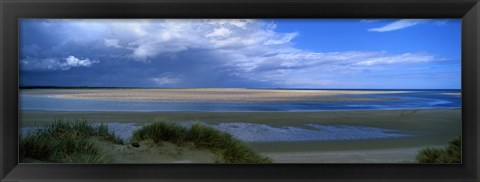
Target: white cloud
{"x":219,"y":32}
{"x":371,"y":20}
{"x":51,"y":64}
{"x":166,"y":80}
{"x":397,"y":25}
{"x":286,"y":66}
{"x":111,"y":43}
{"x":72,"y":61}
{"x":239,"y":23}
{"x":284,"y":39}
{"x":174,"y":36}
{"x":247,"y":49}
{"x":395,"y":59}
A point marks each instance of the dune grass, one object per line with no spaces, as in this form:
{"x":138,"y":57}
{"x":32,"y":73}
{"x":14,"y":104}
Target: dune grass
{"x":452,"y":153}
{"x":225,"y":146}
{"x":71,"y":142}
{"x":67,"y":142}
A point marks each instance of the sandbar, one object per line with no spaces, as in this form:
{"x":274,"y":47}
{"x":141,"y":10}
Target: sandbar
{"x":453,"y":94}
{"x":205,"y":94}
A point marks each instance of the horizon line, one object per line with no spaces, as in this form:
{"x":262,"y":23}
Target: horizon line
{"x":279,"y":88}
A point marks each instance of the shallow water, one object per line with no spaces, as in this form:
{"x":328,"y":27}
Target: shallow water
{"x":250,"y":132}
{"x":410,"y":100}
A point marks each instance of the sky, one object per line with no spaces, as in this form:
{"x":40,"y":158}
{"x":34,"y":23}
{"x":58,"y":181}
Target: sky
{"x":242,"y":53}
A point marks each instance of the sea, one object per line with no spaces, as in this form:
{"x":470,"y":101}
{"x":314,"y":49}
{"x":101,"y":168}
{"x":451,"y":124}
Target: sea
{"x":257,"y":132}
{"x":408,"y":99}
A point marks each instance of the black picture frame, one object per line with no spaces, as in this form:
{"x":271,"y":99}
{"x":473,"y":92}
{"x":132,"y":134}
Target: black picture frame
{"x":12,"y":10}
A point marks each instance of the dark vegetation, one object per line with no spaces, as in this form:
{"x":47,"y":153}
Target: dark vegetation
{"x":225,"y":146}
{"x":67,"y":142}
{"x":452,"y":153}
{"x":71,"y":142}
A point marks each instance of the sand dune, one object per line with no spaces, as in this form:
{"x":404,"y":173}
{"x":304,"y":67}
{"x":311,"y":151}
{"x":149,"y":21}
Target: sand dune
{"x":149,"y":152}
{"x":430,"y":127}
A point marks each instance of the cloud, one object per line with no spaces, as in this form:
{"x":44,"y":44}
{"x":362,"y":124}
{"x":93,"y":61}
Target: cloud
{"x":219,"y":32}
{"x":396,"y":59}
{"x":239,"y":23}
{"x":289,"y":67}
{"x":52,"y":64}
{"x":149,"y":39}
{"x":166,"y":80}
{"x":72,"y":61}
{"x":112,"y":43}
{"x":282,"y":40}
{"x":215,"y":53}
{"x":371,"y":20}
{"x":397,"y":25}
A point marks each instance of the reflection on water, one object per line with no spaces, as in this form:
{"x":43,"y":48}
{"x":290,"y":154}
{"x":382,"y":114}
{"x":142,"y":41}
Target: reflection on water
{"x":251,"y":132}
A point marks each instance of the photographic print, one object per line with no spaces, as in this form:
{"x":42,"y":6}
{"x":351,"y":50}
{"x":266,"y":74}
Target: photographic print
{"x":247,"y":91}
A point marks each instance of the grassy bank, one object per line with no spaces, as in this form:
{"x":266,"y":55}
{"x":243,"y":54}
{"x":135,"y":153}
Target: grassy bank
{"x":67,"y":142}
{"x":452,"y":153}
{"x":427,"y":126}
{"x":227,"y":148}
{"x":81,"y":142}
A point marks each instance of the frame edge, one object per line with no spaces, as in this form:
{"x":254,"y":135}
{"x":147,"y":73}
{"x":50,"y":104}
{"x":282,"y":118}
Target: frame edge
{"x":471,"y":78}
{"x":2,"y":137}
{"x":4,"y":171}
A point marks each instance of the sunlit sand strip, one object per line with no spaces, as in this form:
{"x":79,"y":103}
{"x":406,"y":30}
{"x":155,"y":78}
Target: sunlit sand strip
{"x":213,"y":94}
{"x":454,"y":94}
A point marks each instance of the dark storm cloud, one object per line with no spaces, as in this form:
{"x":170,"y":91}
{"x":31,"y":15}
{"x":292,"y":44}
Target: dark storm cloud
{"x":182,"y":53}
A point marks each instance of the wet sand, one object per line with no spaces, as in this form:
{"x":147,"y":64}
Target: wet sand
{"x":428,"y":127}
{"x":394,"y":155}
{"x":209,"y":94}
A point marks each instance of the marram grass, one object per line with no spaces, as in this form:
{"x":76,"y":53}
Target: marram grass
{"x":225,"y":146}
{"x":452,"y":153}
{"x":67,"y":142}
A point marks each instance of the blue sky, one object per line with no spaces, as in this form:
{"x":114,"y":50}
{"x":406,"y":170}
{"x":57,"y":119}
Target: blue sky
{"x":269,"y":53}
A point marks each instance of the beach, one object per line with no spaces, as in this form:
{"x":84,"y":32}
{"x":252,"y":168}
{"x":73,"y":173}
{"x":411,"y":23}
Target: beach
{"x":250,"y":91}
{"x":288,"y":126}
{"x":427,"y":127}
{"x":204,"y":94}
{"x":396,"y":155}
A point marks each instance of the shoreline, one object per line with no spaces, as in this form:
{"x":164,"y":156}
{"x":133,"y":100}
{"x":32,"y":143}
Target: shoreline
{"x":286,"y":111}
{"x":399,"y":117}
{"x":429,"y":127}
{"x":260,"y":95}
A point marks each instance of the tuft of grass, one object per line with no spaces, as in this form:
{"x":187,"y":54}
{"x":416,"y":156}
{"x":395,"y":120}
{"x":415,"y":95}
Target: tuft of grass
{"x":452,"y":153}
{"x":161,"y":131}
{"x":228,"y":149}
{"x":206,"y":137}
{"x":67,"y":142}
{"x":236,"y":151}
